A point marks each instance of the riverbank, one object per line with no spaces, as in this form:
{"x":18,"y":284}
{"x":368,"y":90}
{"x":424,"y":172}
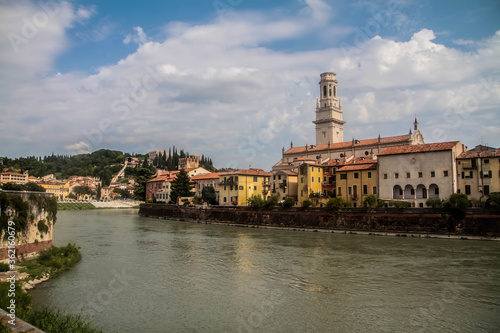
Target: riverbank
{"x":416,"y":222}
{"x":97,"y":205}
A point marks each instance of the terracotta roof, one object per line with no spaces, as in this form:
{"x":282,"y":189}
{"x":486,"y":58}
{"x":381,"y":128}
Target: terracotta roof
{"x":354,"y":167}
{"x":430,"y":147}
{"x":348,"y":144}
{"x":251,"y":172}
{"x":287,"y":172}
{"x":213,"y":175}
{"x":355,"y":160}
{"x":482,"y":154}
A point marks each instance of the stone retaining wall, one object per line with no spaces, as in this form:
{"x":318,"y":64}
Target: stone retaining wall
{"x":409,"y":220}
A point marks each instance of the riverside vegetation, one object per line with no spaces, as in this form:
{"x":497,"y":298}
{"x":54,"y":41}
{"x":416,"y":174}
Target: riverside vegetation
{"x":50,"y":262}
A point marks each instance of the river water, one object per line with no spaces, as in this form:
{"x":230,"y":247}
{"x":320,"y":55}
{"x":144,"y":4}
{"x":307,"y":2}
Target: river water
{"x":148,"y":275}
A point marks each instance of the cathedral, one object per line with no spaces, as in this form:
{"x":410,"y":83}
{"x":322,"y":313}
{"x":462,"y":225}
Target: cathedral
{"x":330,"y":144}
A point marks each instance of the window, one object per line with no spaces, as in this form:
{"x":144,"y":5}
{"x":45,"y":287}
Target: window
{"x":324,"y":91}
{"x":407,"y":175}
{"x":486,"y":161}
{"x":369,"y":174}
{"x":274,"y":177}
{"x":436,"y":190}
{"x":420,"y":175}
{"x":396,"y":175}
{"x":231,"y":188}
{"x":324,"y":179}
{"x":312,"y":179}
{"x":467,"y":189}
{"x":301,"y":193}
{"x":279,"y":176}
{"x":490,"y":174}
{"x":312,"y":169}
{"x":224,"y":187}
{"x":471,"y":175}
{"x":365,"y":189}
{"x":254,"y":178}
{"x":343,"y":176}
{"x":241,"y":188}
{"x":319,"y":179}
{"x":356,"y":175}
{"x":255,"y":188}
{"x":340,"y":191}
{"x":350,"y":190}
{"x":433,"y":174}
{"x":225,"y":199}
{"x":486,"y":189}
{"x":301,"y":179}
{"x":385,"y":176}
{"x":412,"y":191}
{"x":473,"y":163}
{"x":355,"y":190}
{"x":374,"y":189}
{"x":445,"y":173}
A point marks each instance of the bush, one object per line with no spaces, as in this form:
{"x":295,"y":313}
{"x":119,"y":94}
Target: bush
{"x":271,"y":202}
{"x":493,"y":200}
{"x":434,"y":203}
{"x":400,"y":204}
{"x":150,"y":200}
{"x":197,"y":200}
{"x":457,"y":205}
{"x":370,"y":201}
{"x":307,"y":203}
{"x":4,"y":267}
{"x":336,"y":203}
{"x":23,"y":298}
{"x":255,"y":202}
{"x":43,"y":227}
{"x":381,"y":203}
{"x":52,"y":321}
{"x":288,"y":203}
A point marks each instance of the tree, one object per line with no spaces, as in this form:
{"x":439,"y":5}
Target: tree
{"x":336,"y":203}
{"x":255,"y":202}
{"x":208,"y":195}
{"x":370,"y":201}
{"x":180,"y":186}
{"x":457,"y":205}
{"x":288,"y":203}
{"x":142,"y":175}
{"x":307,"y":203}
{"x":493,"y":200}
{"x":434,"y":203}
{"x":271,"y":202}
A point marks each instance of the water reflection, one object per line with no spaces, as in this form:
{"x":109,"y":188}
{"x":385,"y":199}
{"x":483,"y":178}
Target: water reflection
{"x":211,"y":278}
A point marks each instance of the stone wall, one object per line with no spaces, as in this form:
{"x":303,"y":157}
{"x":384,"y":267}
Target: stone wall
{"x":412,"y":220}
{"x":30,"y":240}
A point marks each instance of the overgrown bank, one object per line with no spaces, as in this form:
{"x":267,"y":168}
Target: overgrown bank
{"x":50,"y":263}
{"x":389,"y":220}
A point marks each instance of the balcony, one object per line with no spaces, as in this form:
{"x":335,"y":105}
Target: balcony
{"x":266,"y":183}
{"x":229,"y":182}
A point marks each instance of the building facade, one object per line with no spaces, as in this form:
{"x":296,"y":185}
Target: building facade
{"x":14,"y":177}
{"x":235,"y":188}
{"x":284,"y":184}
{"x":418,"y":173}
{"x":208,"y":180}
{"x":309,"y":181}
{"x":356,"y":181}
{"x":479,"y":174}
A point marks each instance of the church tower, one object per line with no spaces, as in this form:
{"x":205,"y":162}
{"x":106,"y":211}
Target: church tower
{"x":329,"y":123}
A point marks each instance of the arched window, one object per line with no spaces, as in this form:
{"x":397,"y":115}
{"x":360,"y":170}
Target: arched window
{"x":433,"y":191}
{"x":409,"y":192}
{"x":397,"y":192}
{"x":335,"y":91}
{"x":324,"y":91}
{"x":421,"y":192}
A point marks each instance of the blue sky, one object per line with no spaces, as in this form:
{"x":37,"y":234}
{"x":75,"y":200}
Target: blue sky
{"x":237,"y":79}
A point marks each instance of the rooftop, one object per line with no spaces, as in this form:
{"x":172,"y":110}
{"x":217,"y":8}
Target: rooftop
{"x":348,"y":144}
{"x":430,"y":147}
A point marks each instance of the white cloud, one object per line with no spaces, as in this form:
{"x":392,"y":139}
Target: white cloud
{"x":212,"y":88}
{"x":139,"y":37}
{"x":79,"y":148}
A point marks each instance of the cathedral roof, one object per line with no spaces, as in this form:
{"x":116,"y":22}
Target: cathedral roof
{"x":430,"y":147}
{"x":349,"y":144}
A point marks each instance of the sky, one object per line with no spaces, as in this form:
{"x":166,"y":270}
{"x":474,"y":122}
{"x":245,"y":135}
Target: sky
{"x":237,"y":80}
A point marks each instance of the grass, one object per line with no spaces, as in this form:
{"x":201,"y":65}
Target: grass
{"x":75,"y":206}
{"x":52,"y":261}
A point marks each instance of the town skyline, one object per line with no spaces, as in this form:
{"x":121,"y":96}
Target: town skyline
{"x":239,"y":82}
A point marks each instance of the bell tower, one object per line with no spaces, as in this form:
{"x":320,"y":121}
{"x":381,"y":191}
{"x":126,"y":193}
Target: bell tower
{"x":329,"y":123}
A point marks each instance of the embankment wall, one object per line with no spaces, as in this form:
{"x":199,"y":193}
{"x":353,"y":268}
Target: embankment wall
{"x":390,"y":220}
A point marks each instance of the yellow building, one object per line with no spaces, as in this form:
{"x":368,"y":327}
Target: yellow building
{"x":478,"y":174}
{"x":309,"y":181}
{"x":284,"y":184}
{"x":356,"y":181}
{"x":58,"y":188}
{"x":235,"y":188}
{"x":14,"y":177}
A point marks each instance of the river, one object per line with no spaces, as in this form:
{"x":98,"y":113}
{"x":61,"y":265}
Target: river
{"x":147,"y":275}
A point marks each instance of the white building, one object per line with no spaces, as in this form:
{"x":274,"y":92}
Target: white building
{"x":417,"y":173}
